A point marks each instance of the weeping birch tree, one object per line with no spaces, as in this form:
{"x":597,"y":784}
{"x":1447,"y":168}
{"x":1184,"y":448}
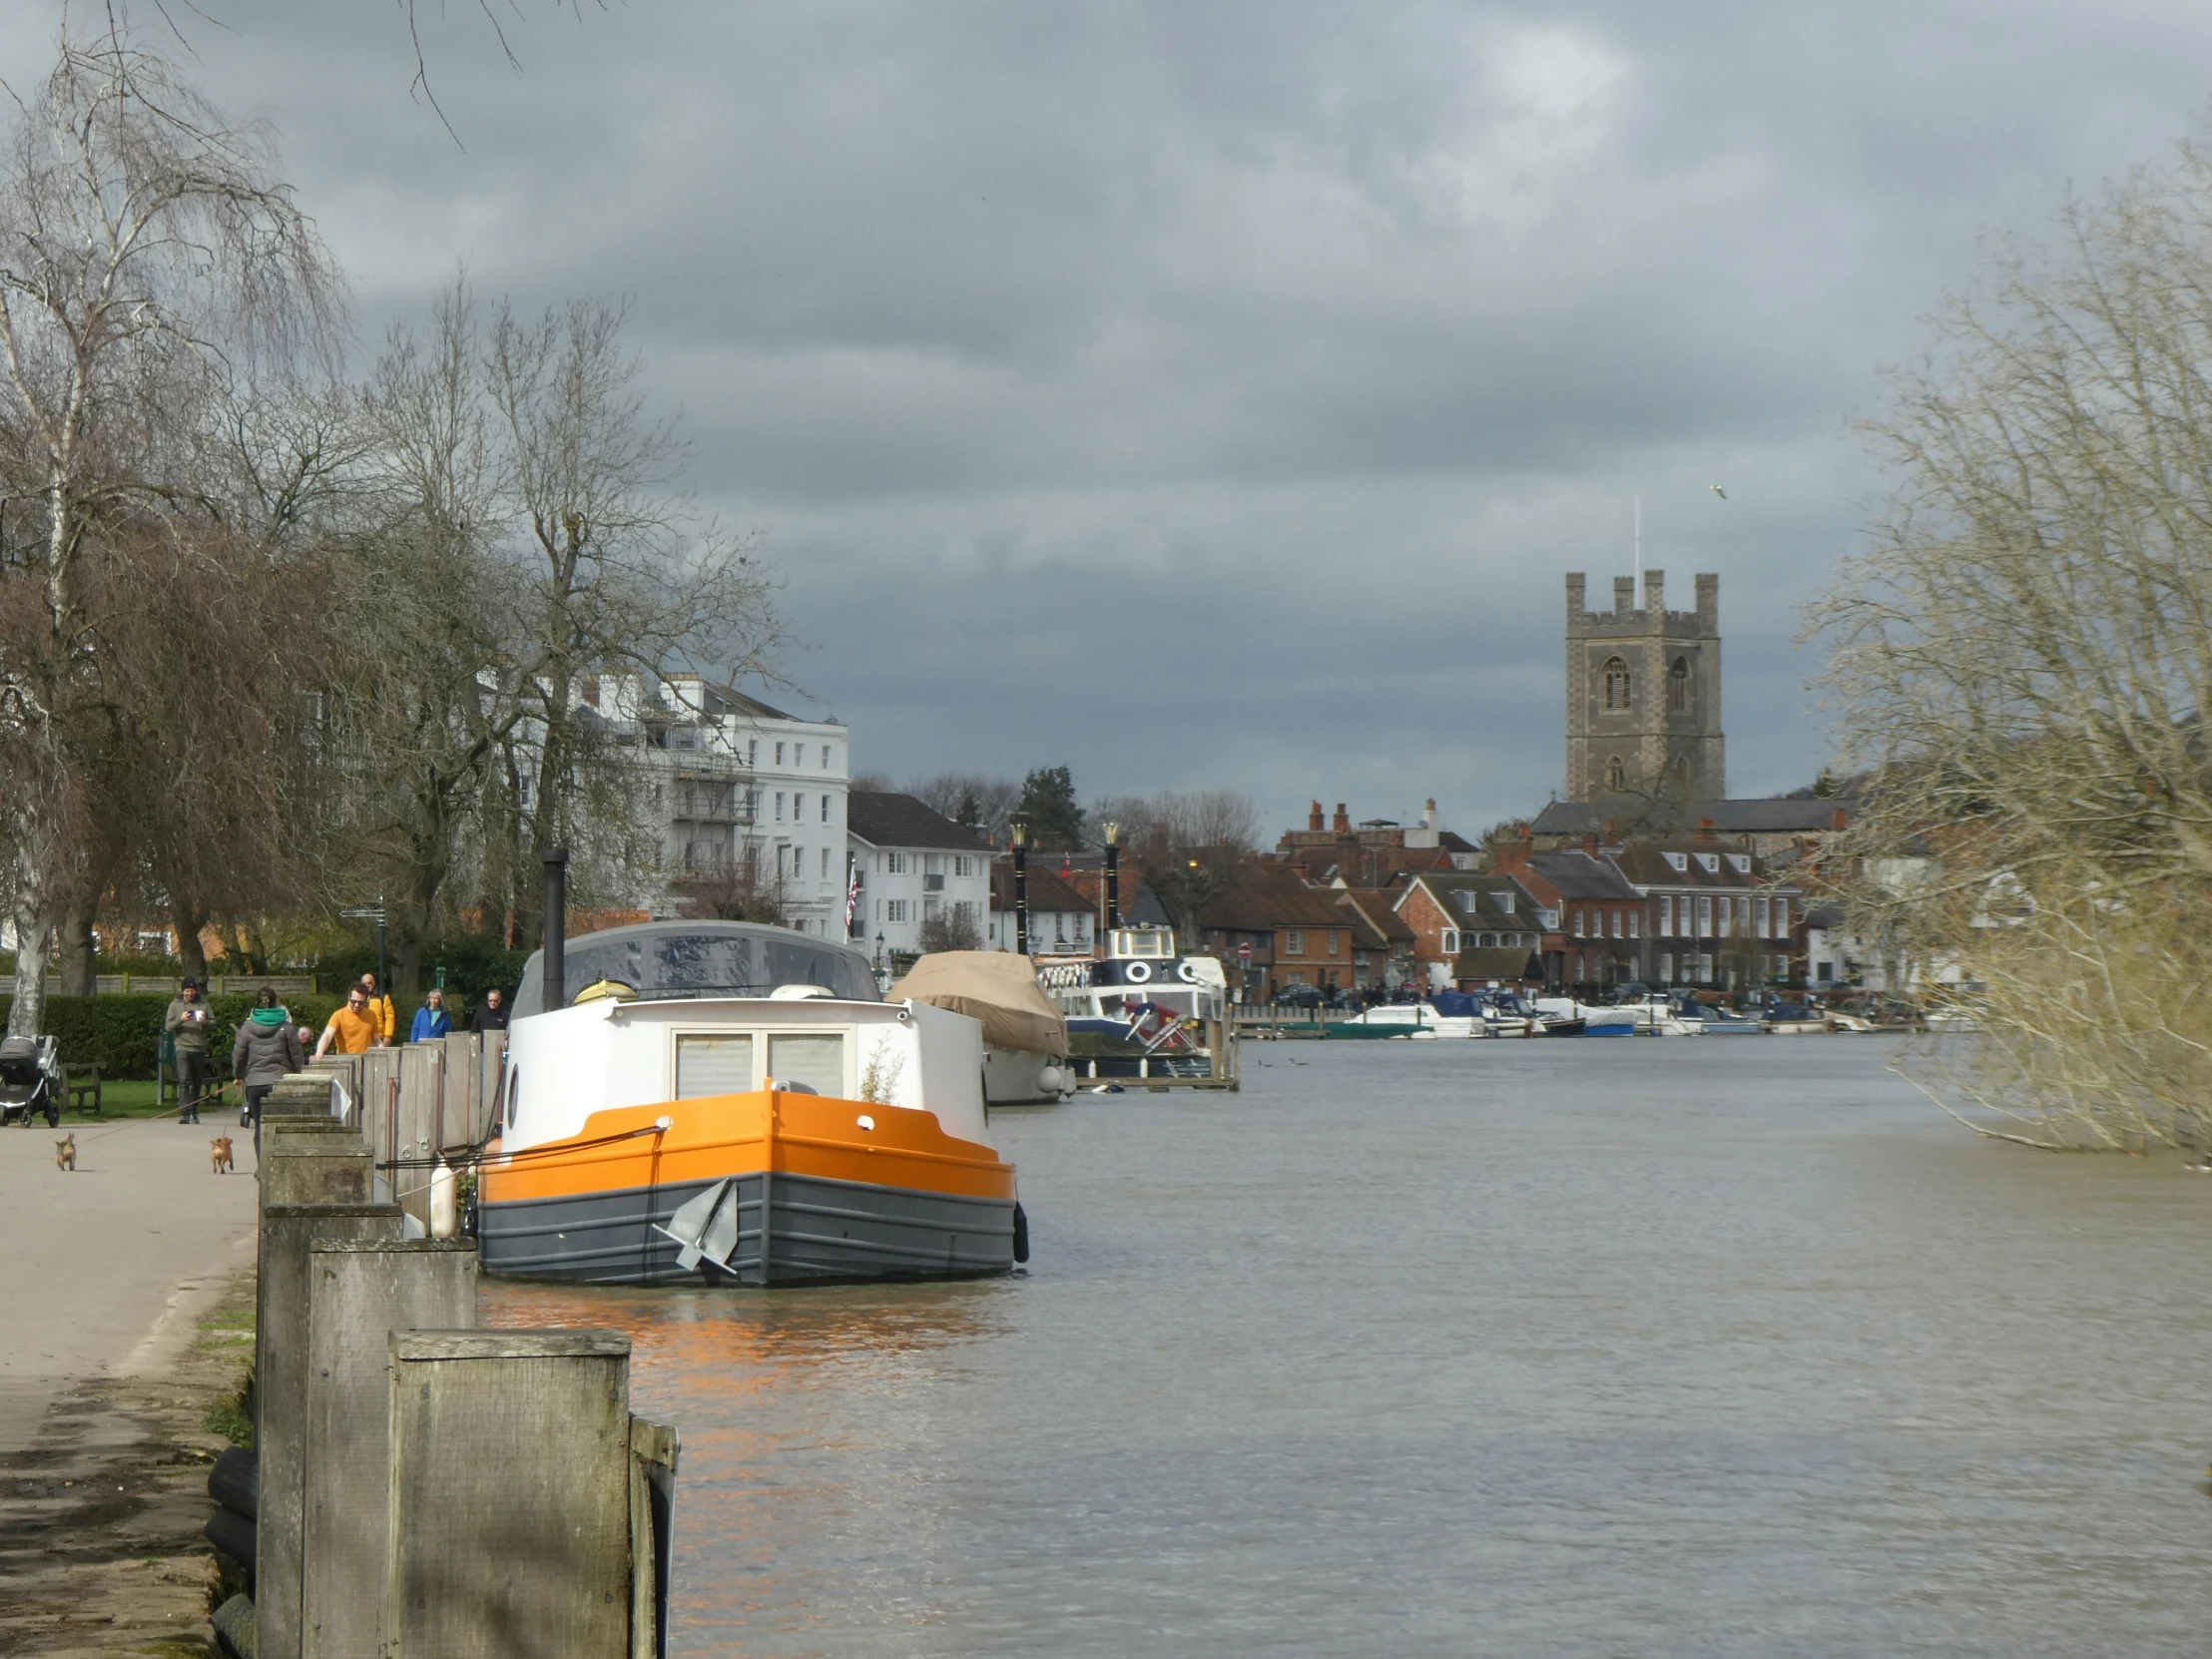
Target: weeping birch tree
{"x":2022,"y":659}
{"x":145,"y":239}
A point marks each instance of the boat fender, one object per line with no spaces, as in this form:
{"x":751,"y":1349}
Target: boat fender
{"x":1186,"y":972}
{"x":1021,"y":1233}
{"x":1136,"y":972}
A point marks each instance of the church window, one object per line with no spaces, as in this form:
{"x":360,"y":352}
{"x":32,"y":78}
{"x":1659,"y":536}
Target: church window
{"x":1616,"y":774}
{"x":1616,"y":683}
{"x":1678,"y":687}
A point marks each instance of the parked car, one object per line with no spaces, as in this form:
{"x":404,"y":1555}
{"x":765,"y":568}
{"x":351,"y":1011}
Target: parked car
{"x":1298,"y":996}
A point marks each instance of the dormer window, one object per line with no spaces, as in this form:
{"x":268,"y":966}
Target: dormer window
{"x":1504,"y":903}
{"x":1741,"y":862}
{"x":1466,"y":901}
{"x":1679,"y":860}
{"x":1711,"y":861}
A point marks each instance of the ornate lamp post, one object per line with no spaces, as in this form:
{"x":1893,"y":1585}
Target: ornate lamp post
{"x":1019,"y":836}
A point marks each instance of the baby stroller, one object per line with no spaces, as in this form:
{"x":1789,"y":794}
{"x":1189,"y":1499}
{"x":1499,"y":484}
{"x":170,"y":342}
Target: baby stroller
{"x":31,"y":1080}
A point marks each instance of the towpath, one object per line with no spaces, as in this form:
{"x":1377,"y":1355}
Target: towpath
{"x":106,"y":1269}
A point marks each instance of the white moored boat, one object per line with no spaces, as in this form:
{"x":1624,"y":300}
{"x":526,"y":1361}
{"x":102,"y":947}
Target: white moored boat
{"x":734,"y":1103}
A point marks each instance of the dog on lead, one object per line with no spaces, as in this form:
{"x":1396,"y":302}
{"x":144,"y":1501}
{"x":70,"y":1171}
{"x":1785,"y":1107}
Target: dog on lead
{"x":218,"y":1151}
{"x":65,"y":1151}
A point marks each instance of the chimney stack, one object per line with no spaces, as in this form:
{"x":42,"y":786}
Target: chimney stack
{"x":1313,"y":822}
{"x":1835,"y":820}
{"x":1344,"y":819}
{"x":1589,"y":845}
{"x":1428,"y":815}
{"x":1704,"y":828}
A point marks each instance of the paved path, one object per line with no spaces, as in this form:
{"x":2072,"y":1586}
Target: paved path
{"x":105,"y":1271}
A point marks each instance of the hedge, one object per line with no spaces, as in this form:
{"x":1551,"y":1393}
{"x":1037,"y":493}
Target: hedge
{"x":122,"y":1034}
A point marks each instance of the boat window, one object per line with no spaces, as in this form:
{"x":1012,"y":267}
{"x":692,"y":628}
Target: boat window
{"x":718,"y":1065}
{"x":816,"y":1059}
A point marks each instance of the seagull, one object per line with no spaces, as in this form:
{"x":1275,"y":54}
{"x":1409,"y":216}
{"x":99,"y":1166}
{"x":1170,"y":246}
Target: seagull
{"x":1723,"y":494}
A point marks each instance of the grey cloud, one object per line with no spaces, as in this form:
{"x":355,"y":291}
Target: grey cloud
{"x":1215,"y":392}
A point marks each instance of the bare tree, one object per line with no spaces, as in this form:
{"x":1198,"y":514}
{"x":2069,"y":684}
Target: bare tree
{"x":971,"y":798}
{"x":952,"y":928}
{"x":2023,"y":656}
{"x":144,"y":238}
{"x":1185,"y":846}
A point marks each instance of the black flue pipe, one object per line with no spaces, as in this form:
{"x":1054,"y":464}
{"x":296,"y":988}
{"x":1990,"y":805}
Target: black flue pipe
{"x":1021,"y":895}
{"x":556,"y":929}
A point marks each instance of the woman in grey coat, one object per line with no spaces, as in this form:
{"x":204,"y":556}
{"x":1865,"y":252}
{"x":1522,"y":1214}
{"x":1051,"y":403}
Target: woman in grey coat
{"x":266,"y":1049}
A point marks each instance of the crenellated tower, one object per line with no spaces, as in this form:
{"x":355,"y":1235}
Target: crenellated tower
{"x":1644,"y":695}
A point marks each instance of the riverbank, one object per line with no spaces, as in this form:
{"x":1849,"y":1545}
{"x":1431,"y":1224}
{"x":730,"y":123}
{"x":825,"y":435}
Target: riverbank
{"x":127,"y":1319}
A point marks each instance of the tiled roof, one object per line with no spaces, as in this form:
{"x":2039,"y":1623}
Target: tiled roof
{"x":1578,"y":875}
{"x":1447,"y":886}
{"x":883,"y":819}
{"x":1047,"y":891}
{"x":1377,"y":908}
{"x":1647,"y":866}
{"x":1262,"y":896}
{"x":1762,"y":815}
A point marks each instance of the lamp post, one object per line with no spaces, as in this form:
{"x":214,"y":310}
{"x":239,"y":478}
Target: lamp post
{"x":1113,"y":876}
{"x":1018,"y":835}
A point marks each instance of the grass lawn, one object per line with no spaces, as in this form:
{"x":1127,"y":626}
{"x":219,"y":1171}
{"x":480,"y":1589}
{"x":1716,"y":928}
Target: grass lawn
{"x":135,"y":1099}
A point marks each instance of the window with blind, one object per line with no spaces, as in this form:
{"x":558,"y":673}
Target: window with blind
{"x":816,"y":1059}
{"x":718,"y":1065}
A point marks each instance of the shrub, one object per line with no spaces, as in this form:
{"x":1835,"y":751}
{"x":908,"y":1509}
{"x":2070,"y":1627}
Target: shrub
{"x":122,"y":1034}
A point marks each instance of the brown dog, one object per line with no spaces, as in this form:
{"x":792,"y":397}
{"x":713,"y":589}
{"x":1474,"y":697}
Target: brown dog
{"x":220,"y":1149}
{"x":65,"y":1151}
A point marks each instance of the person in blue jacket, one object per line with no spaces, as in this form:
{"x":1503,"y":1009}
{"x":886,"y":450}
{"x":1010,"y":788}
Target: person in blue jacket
{"x":430,"y":1020}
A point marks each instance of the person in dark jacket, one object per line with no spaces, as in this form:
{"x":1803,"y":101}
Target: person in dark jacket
{"x":489,"y":1014}
{"x":268,"y":1048}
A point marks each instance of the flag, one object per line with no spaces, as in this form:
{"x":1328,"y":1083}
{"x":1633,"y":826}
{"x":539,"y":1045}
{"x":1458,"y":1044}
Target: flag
{"x":852,"y":891}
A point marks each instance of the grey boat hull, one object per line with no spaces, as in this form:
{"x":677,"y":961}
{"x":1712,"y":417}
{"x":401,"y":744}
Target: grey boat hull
{"x":818,"y":1232}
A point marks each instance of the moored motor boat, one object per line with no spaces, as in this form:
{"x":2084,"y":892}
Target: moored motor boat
{"x":733,"y":1103}
{"x":1025,"y":1038}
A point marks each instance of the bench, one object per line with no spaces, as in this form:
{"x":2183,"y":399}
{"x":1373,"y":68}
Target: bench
{"x":80,"y":1083}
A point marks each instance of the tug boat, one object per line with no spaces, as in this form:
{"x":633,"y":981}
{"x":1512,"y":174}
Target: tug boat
{"x":735,"y":1104}
{"x":1141,"y":1009}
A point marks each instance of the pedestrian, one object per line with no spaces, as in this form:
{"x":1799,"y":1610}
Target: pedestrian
{"x":430,"y":1020}
{"x":266,"y":1049}
{"x":489,"y":1014}
{"x":380,"y":1007}
{"x":188,"y":1022}
{"x":352,"y":1029}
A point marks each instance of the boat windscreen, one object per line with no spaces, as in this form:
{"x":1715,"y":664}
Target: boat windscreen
{"x":676,"y":961}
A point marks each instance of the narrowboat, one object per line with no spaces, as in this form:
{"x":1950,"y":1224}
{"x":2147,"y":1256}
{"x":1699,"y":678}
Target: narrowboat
{"x":736,"y":1104}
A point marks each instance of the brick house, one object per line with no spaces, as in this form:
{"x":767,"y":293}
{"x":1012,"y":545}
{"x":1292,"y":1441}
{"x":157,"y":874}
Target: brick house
{"x":1296,"y":933}
{"x":1376,"y":850}
{"x":1600,"y":922}
{"x":1381,"y":943}
{"x":1720,"y":915}
{"x":1470,"y":929}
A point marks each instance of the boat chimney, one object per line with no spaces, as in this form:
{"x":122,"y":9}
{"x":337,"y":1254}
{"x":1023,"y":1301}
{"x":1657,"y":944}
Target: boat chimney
{"x":1113,"y":870}
{"x":1313,"y":819}
{"x":1342,"y":825}
{"x":556,"y":929}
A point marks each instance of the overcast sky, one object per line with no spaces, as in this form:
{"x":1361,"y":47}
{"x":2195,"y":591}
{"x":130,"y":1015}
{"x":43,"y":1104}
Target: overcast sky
{"x":1211,"y":394}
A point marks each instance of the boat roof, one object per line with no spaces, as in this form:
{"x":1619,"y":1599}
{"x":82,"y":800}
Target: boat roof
{"x":662,"y":960}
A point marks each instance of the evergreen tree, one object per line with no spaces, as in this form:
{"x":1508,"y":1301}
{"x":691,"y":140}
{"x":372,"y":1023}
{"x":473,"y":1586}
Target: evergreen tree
{"x":1048,"y":803}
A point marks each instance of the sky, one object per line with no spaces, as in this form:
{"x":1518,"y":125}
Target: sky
{"x":1214,"y":396}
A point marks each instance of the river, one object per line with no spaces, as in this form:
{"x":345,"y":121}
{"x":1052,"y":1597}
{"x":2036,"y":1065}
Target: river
{"x":1712,"y":1347}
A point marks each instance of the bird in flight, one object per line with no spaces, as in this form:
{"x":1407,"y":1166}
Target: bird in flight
{"x":1723,"y":494}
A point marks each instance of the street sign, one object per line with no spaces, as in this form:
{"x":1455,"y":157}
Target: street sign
{"x":1244,"y":951}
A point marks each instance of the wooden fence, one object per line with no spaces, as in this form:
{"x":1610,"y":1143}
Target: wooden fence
{"x":418,"y":1102}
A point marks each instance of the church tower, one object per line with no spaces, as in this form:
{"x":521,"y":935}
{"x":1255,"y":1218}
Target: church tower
{"x":1644,"y":695}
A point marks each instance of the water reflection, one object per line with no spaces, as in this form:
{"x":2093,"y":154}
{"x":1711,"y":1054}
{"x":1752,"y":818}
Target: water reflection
{"x":1491,"y":1349}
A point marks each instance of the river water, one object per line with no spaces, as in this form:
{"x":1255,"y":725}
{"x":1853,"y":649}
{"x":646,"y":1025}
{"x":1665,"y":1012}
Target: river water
{"x":1509,"y":1348}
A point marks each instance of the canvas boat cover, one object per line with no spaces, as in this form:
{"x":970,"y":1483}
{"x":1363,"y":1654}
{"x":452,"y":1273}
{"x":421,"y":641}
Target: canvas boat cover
{"x":997,"y":988}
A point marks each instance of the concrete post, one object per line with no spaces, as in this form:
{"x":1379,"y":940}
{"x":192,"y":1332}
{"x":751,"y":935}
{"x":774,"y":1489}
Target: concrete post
{"x":281,"y":1379}
{"x":360,"y":1292}
{"x":511,"y":1465}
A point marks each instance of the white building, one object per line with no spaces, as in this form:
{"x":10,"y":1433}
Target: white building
{"x":914,"y":866}
{"x":746,"y":795}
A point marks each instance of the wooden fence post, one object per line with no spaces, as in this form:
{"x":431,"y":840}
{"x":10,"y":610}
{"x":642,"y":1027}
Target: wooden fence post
{"x":510,"y":1529}
{"x":360,"y":1292}
{"x":280,"y":1375}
